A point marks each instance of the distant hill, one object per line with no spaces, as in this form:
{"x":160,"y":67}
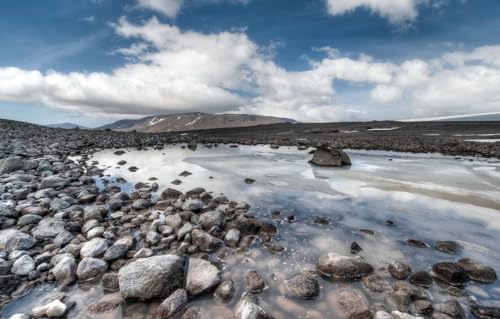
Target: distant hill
{"x":192,"y":121}
{"x":66,"y":126}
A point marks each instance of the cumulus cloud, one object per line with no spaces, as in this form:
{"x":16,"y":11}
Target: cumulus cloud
{"x":173,"y":70}
{"x":395,"y":11}
{"x":171,"y":8}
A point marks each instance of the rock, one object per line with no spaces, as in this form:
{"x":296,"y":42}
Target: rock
{"x":107,"y":303}
{"x":52,"y":310}
{"x":254,"y":282}
{"x":352,"y":305}
{"x":449,"y":247}
{"x":205,"y":241}
{"x":202,"y":277}
{"x":152,"y":237}
{"x":355,"y":248}
{"x":192,"y":313}
{"x":7,"y":208}
{"x":153,"y":277}
{"x":211,"y":219}
{"x":4,"y":267}
{"x":174,"y":304}
{"x":141,"y":204}
{"x":402,"y":315}
{"x":170,"y":193}
{"x":29,"y":219}
{"x":342,"y":267}
{"x":450,"y":273}
{"x":48,"y":228}
{"x":96,"y":247}
{"x":110,"y":282}
{"x":382,"y":315}
{"x":250,"y":308}
{"x":376,"y":284}
{"x":65,"y":270}
{"x":417,"y":243}
{"x":119,"y":248}
{"x":399,"y":270}
{"x":193,"y":205}
{"x":12,"y":239}
{"x":143,"y":253}
{"x":225,"y":291}
{"x":303,"y":287}
{"x":54,"y":182}
{"x":89,"y":268}
{"x":422,"y":307}
{"x":23,"y":266}
{"x":484,"y":312}
{"x":452,"y":308}
{"x":422,"y":279}
{"x":11,"y":164}
{"x":330,"y":157}
{"x":173,"y":221}
{"x":63,"y":238}
{"x":232,"y":237}
{"x":477,"y":271}
{"x":249,"y":181}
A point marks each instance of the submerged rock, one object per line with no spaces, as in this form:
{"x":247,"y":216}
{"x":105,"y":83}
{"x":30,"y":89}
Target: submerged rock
{"x":303,"y":287}
{"x":153,"y":277}
{"x":225,"y":291}
{"x":447,"y":246}
{"x":344,"y":268}
{"x":174,"y":304}
{"x":352,"y":305}
{"x":399,"y":270}
{"x":484,"y":312}
{"x":450,"y":273}
{"x":254,"y":281}
{"x":330,"y":157}
{"x":250,"y":308}
{"x":52,"y":310}
{"x":477,"y":271}
{"x":422,"y":279}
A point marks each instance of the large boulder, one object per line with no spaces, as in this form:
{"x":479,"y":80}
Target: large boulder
{"x":48,"y":228}
{"x":202,"y":277}
{"x":12,"y":164}
{"x":344,"y":268}
{"x":12,"y":239}
{"x":330,"y":157}
{"x":153,"y":277}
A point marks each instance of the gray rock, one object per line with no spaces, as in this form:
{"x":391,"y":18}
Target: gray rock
{"x":193,"y":205}
{"x":48,"y":228}
{"x":403,"y":315}
{"x":143,"y":253}
{"x":342,"y":267}
{"x":96,"y":247}
{"x":202,"y":277}
{"x":452,"y":308}
{"x":477,"y":271}
{"x":450,"y":273}
{"x":110,"y":282}
{"x":232,"y":237}
{"x":303,"y":287}
{"x":119,"y":248}
{"x":7,"y":208}
{"x":254,"y":281}
{"x":352,"y":305}
{"x":152,"y":237}
{"x":23,"y":266}
{"x":63,"y":238}
{"x":141,"y":204}
{"x":422,"y":279}
{"x":193,"y":313}
{"x":330,"y":157}
{"x":54,"y":309}
{"x":95,"y":232}
{"x":90,"y":224}
{"x":11,"y":164}
{"x":12,"y":239}
{"x":484,"y":312}
{"x":170,"y":193}
{"x":250,"y":308}
{"x":153,"y":277}
{"x":65,"y":270}
{"x":205,"y":241}
{"x":185,"y":229}
{"x":173,"y":221}
{"x":29,"y":219}
{"x":399,"y":270}
{"x":90,"y":268}
{"x":376,"y":284}
{"x":225,"y":291}
{"x":447,"y":246}
{"x":54,"y":182}
{"x":174,"y":304}
{"x":211,"y":219}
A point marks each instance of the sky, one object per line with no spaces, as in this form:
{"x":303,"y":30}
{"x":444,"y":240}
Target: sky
{"x":91,"y":62}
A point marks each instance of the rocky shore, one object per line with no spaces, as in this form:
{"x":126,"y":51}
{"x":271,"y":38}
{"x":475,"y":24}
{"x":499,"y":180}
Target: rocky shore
{"x":58,"y":226}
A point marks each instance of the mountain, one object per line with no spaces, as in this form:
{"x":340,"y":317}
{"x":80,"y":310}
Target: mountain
{"x":192,"y":121}
{"x":66,"y":126}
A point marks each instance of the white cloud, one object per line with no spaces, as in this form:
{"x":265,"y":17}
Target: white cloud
{"x":171,"y":70}
{"x":170,"y":8}
{"x":396,"y":11}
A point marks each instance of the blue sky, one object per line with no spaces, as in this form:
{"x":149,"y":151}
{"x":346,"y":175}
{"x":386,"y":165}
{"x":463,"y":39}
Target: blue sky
{"x":95,"y":61}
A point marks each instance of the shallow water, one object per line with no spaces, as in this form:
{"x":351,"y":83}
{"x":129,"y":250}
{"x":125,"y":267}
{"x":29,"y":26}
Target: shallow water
{"x":429,"y":197}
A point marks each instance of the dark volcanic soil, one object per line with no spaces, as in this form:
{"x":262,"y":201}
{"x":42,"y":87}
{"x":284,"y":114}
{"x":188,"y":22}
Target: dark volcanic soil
{"x":436,"y":137}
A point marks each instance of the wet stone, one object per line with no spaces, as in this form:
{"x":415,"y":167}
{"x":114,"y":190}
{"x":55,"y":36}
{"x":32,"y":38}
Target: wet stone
{"x":352,"y":305}
{"x":477,"y":271}
{"x":303,"y":287}
{"x":399,"y":270}
{"x":254,"y":282}
{"x":422,"y":279}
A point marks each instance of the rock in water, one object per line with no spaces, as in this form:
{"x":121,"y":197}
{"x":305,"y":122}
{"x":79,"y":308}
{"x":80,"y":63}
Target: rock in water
{"x":303,"y":287}
{"x":174,"y":304}
{"x":353,"y":305}
{"x":225,"y":291}
{"x":254,"y":281}
{"x":201,"y":277}
{"x":399,"y":270}
{"x":65,"y":270}
{"x":250,"y":308}
{"x":330,"y":157}
{"x":477,"y":271}
{"x":450,"y":273}
{"x":344,"y":268}
{"x":153,"y":277}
